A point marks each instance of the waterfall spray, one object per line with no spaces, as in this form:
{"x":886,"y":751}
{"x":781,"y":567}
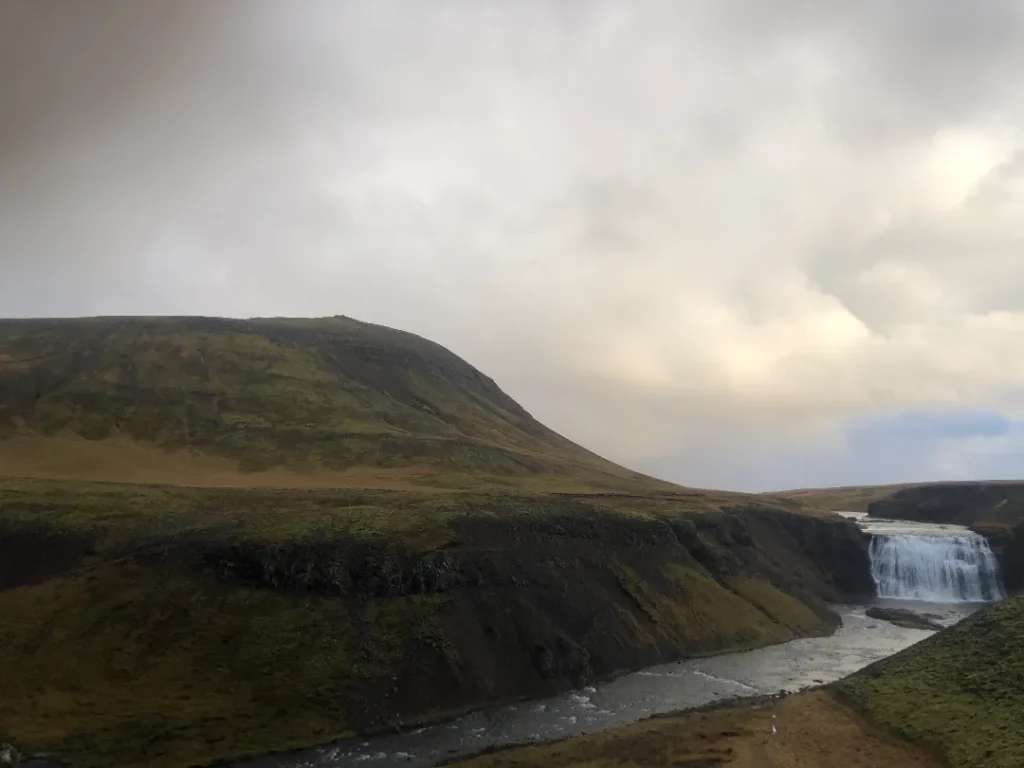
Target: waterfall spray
{"x":939,"y":569}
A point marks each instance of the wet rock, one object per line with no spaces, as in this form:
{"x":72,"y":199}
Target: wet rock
{"x":563,"y":659}
{"x":901,"y":617}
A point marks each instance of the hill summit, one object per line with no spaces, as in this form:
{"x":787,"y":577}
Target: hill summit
{"x":270,"y":401}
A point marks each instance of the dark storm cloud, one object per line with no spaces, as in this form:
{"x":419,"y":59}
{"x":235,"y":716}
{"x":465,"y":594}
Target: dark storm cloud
{"x":674,"y":230}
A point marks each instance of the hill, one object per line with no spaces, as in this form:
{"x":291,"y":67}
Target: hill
{"x":270,"y":402}
{"x":429,"y":545}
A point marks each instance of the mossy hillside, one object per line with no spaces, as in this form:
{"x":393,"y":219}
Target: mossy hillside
{"x":961,"y":690}
{"x":316,"y":399}
{"x":130,"y":665}
{"x":177,"y":626}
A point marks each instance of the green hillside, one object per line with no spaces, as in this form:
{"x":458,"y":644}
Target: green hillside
{"x":403,"y":541}
{"x":164,"y":626}
{"x":961,"y":690}
{"x":279,"y":402}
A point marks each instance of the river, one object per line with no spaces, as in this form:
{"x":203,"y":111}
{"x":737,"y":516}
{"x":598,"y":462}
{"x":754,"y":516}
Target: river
{"x":681,"y":685}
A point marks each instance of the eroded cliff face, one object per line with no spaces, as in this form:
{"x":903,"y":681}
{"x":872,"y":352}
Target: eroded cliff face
{"x":206,"y":625}
{"x":520,"y":606}
{"x":1007,"y":544}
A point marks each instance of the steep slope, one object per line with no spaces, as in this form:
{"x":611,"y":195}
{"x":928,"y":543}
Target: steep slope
{"x":961,"y":690}
{"x":280,"y":402}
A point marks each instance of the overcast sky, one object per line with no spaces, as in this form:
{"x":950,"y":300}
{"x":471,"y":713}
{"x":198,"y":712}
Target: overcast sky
{"x":743,"y":244}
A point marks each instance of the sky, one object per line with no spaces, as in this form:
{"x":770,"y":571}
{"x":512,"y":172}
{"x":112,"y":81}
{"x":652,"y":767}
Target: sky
{"x":734,"y":244}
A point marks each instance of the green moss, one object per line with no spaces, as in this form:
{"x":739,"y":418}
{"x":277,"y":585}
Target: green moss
{"x":101,"y":667}
{"x":961,"y":690}
{"x":779,"y":606}
{"x":167,"y":626}
{"x":117,"y":516}
{"x":722,"y":618}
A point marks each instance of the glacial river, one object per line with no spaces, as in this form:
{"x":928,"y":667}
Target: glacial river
{"x":669,"y":687}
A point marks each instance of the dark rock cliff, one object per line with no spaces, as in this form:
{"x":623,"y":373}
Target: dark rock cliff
{"x":527,"y":607}
{"x":1008,"y":546}
{"x":301,"y":616}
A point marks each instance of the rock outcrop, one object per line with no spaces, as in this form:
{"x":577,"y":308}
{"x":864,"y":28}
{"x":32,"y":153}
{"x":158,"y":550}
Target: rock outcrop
{"x":902,"y":617}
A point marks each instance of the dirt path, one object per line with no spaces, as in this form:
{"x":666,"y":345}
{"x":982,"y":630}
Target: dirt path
{"x":811,"y":730}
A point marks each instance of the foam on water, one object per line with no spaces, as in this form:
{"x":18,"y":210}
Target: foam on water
{"x":931,"y":563}
{"x":935,"y":569}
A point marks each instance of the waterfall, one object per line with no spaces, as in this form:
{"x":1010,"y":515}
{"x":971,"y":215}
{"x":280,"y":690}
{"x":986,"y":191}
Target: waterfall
{"x":935,"y":568}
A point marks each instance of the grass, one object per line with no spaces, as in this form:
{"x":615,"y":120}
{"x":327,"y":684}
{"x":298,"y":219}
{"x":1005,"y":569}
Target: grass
{"x":166,"y":626}
{"x":961,"y":690}
{"x":116,"y":515}
{"x":135,"y":654}
{"x":854,"y":498}
{"x":108,"y":659}
{"x":290,"y":402}
{"x":381,"y":534}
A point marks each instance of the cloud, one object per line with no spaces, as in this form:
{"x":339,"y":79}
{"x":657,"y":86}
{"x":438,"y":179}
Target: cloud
{"x":705,"y":239}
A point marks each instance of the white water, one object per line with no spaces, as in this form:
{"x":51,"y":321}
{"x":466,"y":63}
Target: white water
{"x":932,"y":563}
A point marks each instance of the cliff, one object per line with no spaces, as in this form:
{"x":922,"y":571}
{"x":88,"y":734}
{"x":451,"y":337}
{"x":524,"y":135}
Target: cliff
{"x":168,"y":627}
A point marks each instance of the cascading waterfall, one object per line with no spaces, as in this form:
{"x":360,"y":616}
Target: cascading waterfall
{"x":945,"y":568}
